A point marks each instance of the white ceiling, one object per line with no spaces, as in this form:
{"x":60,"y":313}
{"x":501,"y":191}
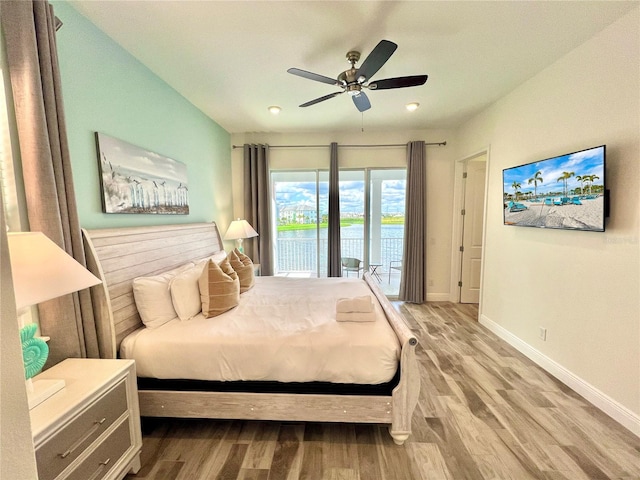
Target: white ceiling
{"x":230,"y":58}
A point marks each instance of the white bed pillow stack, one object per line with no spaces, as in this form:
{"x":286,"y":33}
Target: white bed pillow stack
{"x":177,"y":293}
{"x":185,"y":292}
{"x":153,"y":297}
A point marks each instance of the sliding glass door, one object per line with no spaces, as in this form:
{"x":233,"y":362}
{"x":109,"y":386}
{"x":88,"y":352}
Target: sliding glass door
{"x":372,"y":203}
{"x":301,"y":207}
{"x":387,"y":192}
{"x":353,"y":218}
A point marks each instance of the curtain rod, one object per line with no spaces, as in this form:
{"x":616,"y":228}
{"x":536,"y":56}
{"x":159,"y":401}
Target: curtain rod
{"x":346,"y":146}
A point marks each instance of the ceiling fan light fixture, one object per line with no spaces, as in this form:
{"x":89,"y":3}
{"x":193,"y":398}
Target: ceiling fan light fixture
{"x":412,"y":107}
{"x":354,"y":80}
{"x":274,"y":109}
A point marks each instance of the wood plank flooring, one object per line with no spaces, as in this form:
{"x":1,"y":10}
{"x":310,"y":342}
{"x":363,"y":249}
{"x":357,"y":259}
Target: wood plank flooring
{"x":485,"y":412}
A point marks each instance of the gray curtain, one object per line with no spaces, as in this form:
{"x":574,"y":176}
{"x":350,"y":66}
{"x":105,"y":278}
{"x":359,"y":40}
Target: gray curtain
{"x":413,"y":267}
{"x":334,"y":267}
{"x":29,"y":31}
{"x":257,"y":206}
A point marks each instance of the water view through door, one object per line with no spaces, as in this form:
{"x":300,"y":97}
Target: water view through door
{"x":372,"y":222}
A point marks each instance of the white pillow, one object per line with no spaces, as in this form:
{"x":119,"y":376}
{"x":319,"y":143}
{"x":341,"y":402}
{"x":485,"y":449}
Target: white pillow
{"x":185,"y":292}
{"x":153,"y":297}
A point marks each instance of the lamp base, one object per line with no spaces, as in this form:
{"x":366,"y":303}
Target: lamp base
{"x":40,"y":390}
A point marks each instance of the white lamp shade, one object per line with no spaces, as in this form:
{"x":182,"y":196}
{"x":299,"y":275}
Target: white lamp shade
{"x":240,"y":229}
{"x":41,"y":270}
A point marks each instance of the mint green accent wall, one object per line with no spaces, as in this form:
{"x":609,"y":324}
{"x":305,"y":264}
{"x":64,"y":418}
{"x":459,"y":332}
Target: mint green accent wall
{"x":107,"y":90}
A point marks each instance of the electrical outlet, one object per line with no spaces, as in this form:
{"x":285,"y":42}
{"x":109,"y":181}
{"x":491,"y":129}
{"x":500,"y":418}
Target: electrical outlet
{"x":430,"y":283}
{"x":543,"y":334}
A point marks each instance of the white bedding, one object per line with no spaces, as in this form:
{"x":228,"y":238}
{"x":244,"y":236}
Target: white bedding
{"x":283,"y":330}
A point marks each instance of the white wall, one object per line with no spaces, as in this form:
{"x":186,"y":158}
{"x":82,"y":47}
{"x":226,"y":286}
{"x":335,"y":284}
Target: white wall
{"x":439,"y":179}
{"x":583,"y":287}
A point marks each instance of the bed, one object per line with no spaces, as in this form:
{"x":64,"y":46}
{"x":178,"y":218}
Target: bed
{"x":304,"y":391}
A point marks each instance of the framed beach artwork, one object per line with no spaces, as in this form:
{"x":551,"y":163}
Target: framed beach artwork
{"x":135,"y":180}
{"x":565,"y":192}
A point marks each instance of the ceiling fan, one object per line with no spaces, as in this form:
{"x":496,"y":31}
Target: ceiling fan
{"x":355,"y":79}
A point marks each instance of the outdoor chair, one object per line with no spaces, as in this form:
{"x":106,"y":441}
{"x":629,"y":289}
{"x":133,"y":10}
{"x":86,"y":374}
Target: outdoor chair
{"x":516,"y":207}
{"x":350,"y":264}
{"x":394,"y":265}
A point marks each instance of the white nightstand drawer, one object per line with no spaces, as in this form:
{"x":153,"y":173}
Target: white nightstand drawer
{"x":66,"y":445}
{"x":91,"y":428}
{"x":98,"y":464}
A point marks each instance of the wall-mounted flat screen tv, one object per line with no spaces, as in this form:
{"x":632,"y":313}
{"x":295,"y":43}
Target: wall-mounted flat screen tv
{"x":565,"y":192}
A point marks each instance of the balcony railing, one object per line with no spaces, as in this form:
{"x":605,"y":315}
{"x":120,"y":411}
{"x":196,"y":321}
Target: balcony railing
{"x":301,"y":254}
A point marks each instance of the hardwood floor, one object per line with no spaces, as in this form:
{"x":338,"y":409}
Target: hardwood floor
{"x":485,"y":412}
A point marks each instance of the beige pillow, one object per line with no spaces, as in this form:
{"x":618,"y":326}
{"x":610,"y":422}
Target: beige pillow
{"x":244,"y":269}
{"x":153,"y":297}
{"x":243,"y":258}
{"x":227,"y":268}
{"x":185,"y":293}
{"x":219,"y":288}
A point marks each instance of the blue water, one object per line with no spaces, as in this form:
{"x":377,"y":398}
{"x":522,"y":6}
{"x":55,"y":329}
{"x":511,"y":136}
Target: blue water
{"x":352,"y":231}
{"x":297,"y":250}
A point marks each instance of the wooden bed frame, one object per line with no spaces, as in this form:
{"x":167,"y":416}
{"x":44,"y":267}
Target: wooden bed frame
{"x":119,"y":255}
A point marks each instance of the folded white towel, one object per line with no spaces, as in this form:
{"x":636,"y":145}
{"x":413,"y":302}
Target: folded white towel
{"x":356,"y":317}
{"x":354,"y":305}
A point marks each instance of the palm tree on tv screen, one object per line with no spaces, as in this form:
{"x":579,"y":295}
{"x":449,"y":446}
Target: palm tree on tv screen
{"x":536,"y":179}
{"x":565,"y":176}
{"x":516,"y":185}
{"x":590,"y":179}
{"x":582,"y":179}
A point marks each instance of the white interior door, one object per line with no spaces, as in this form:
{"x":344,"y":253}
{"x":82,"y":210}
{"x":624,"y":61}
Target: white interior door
{"x":472,"y":230}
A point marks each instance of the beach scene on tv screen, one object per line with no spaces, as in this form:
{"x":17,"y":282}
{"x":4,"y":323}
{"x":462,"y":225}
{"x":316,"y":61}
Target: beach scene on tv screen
{"x":561,"y":192}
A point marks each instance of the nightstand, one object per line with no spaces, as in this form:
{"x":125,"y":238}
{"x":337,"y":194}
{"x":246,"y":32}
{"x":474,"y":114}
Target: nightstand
{"x":89,"y":430}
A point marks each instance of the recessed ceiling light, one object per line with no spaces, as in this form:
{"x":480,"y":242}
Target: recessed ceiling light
{"x":412,"y":106}
{"x":274,"y":109}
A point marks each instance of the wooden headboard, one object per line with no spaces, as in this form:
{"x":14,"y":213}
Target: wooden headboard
{"x":118,"y":255}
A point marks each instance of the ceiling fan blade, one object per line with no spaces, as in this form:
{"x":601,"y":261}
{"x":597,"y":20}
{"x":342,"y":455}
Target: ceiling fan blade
{"x":361,"y":101}
{"x":313,"y":76}
{"x":400,"y":82}
{"x":376,"y":59}
{"x":321,"y":99}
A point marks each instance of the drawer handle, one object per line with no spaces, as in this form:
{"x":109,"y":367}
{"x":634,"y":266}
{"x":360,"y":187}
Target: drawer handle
{"x":98,"y":471}
{"x":81,"y":440}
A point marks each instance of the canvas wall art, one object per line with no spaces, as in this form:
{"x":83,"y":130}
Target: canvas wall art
{"x":135,"y":180}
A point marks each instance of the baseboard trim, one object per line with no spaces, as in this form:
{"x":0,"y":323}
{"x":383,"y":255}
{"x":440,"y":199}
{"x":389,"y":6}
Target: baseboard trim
{"x":608,"y":405}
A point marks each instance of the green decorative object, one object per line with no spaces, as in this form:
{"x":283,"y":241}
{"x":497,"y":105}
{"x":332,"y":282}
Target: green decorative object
{"x":34,"y":350}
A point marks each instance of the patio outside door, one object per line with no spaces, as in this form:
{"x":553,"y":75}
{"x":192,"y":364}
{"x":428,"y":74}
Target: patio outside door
{"x":301,"y":200}
{"x":372,"y":206}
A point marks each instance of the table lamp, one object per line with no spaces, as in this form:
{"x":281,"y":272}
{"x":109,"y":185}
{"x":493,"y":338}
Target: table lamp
{"x":41,"y":271}
{"x":238,"y":231}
